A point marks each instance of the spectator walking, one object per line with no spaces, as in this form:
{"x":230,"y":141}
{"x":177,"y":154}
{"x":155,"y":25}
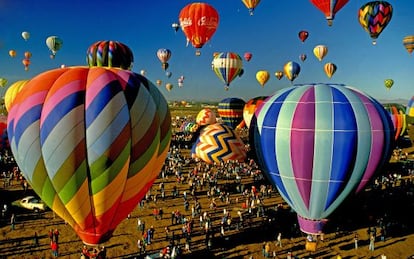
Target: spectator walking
{"x":372,"y":242}
{"x":356,"y":240}
{"x":12,"y":221}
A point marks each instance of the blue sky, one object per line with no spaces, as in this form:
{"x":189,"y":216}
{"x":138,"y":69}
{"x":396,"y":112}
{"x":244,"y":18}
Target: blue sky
{"x":271,"y":35}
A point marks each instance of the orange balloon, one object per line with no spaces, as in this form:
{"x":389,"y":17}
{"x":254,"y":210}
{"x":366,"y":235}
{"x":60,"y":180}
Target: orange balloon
{"x":12,"y":53}
{"x":26,"y":63}
{"x":27,"y":54}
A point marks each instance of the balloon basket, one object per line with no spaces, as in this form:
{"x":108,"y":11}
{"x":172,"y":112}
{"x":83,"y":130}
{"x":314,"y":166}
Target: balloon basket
{"x":311,"y":246}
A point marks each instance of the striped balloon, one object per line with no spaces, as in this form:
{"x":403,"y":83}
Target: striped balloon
{"x":410,"y":107}
{"x":227,"y":66}
{"x":408,"y":43}
{"x":108,"y":53}
{"x":90,"y":141}
{"x":205,"y":117}
{"x":250,"y":108}
{"x":398,"y":117}
{"x":318,"y":143}
{"x":231,"y":111}
{"x":218,"y":142}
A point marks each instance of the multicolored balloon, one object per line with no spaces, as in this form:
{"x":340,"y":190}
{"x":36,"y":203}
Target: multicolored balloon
{"x":251,"y":5}
{"x":206,"y":117}
{"x":408,"y":43}
{"x":199,"y":22}
{"x":410,"y":107}
{"x":329,"y":8}
{"x":217,"y":143}
{"x":231,"y":111}
{"x":320,"y":51}
{"x":3,"y":132}
{"x":330,"y":69}
{"x":227,"y":66}
{"x":250,"y":108}
{"x":108,"y":53}
{"x":398,"y":115}
{"x":291,"y":70}
{"x":12,"y":92}
{"x":374,"y":17}
{"x":91,"y":142}
{"x":262,"y":76}
{"x":318,"y":143}
{"x":388,"y":83}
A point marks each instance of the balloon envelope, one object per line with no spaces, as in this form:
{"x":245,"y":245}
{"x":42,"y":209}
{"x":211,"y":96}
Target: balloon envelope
{"x":291,"y":70}
{"x":262,"y":76}
{"x":54,"y":43}
{"x":250,"y":108}
{"x":90,"y":141}
{"x":206,"y":117}
{"x":374,"y":16}
{"x":398,"y":117}
{"x":319,"y":143}
{"x":320,"y":51}
{"x":408,"y":43}
{"x":108,"y":53}
{"x":330,"y":69}
{"x":217,"y":143}
{"x":251,"y":5}
{"x":410,"y":107}
{"x":12,"y":92}
{"x":231,"y":111}
{"x":227,"y":66}
{"x":329,"y":8}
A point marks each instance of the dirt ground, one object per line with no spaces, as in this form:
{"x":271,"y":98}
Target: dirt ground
{"x":395,"y":203}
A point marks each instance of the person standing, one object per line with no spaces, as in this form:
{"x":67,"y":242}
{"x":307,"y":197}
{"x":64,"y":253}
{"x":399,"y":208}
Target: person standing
{"x":35,"y":240}
{"x":356,"y":240}
{"x":12,"y":221}
{"x":372,"y":242}
{"x":279,"y":239}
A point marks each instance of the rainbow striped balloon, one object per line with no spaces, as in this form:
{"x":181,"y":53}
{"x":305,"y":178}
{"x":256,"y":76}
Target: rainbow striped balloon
{"x":12,"y":92}
{"x":318,"y":143}
{"x":218,"y":142}
{"x":231,"y":111}
{"x":90,"y":141}
{"x":108,"y":53}
{"x":398,"y":117}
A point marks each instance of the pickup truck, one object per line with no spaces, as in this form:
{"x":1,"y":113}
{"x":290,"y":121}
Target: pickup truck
{"x":31,"y":203}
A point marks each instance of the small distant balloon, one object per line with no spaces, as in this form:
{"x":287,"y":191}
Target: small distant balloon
{"x":388,"y":83}
{"x":251,"y":5}
{"x":279,"y":74}
{"x":27,"y":54}
{"x":54,"y":43}
{"x":143,"y":72}
{"x":158,"y":82}
{"x":168,"y":74}
{"x":262,"y":76}
{"x":303,"y":35}
{"x":26,"y":63}
{"x":12,"y":53}
{"x":175,"y":26}
{"x":169,"y":86}
{"x":25,"y":35}
{"x":408,"y":43}
{"x":3,"y":82}
{"x":303,"y":57}
{"x":248,"y":56}
{"x":320,"y":51}
{"x":330,"y":69}
{"x":291,"y":70}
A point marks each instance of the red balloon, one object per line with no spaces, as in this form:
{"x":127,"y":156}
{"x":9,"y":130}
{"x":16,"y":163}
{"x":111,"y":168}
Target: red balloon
{"x":303,"y":35}
{"x":199,"y":22}
{"x":329,"y":8}
{"x":248,"y":56}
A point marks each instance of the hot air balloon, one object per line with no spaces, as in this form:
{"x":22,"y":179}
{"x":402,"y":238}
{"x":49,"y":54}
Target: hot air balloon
{"x":303,"y":57}
{"x":374,"y":17}
{"x":248,"y":56}
{"x":388,"y":83}
{"x":26,"y":63}
{"x":408,"y":43}
{"x":169,"y":86}
{"x":227,"y":66}
{"x":410,"y":107}
{"x":250,"y":108}
{"x":3,"y":132}
{"x":158,"y":82}
{"x":91,"y":142}
{"x":251,"y":5}
{"x":143,"y":72}
{"x":320,"y":51}
{"x":279,"y":74}
{"x":180,"y":82}
{"x":199,"y":22}
{"x":175,"y":26}
{"x":108,"y":53}
{"x":262,"y":76}
{"x":12,"y":92}
{"x":168,"y":74}
{"x":25,"y":35}
{"x":27,"y":54}
{"x":398,"y":117}
{"x":164,"y":55}
{"x":330,"y":69}
{"x":231,"y":111}
{"x":319,"y":143}
{"x":218,"y":143}
{"x":54,"y":43}
{"x":12,"y":53}
{"x":291,"y":70}
{"x":206,"y":117}
{"x":329,"y":8}
{"x":303,"y":35}
{"x":3,"y":82}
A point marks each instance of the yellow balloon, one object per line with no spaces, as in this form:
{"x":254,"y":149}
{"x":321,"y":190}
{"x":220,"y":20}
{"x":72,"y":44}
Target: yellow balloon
{"x":12,"y":92}
{"x":320,"y":51}
{"x":262,"y":77}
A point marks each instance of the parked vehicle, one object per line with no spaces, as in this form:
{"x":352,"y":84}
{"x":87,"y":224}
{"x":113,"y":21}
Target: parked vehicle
{"x":31,"y":203}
